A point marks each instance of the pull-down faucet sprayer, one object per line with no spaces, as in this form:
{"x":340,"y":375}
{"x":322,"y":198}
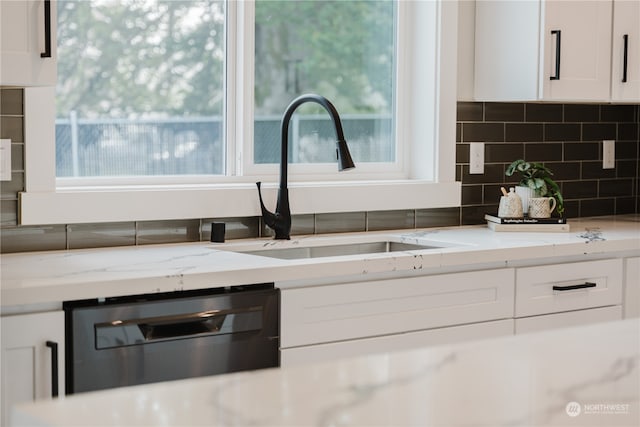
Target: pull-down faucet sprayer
{"x":280,"y":221}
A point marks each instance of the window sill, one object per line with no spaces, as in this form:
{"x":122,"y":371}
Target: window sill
{"x":229,"y":200}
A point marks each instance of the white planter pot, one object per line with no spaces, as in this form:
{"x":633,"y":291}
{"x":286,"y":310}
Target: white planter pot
{"x":525,"y":194}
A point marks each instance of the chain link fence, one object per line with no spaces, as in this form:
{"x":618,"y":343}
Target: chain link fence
{"x":195,"y":145}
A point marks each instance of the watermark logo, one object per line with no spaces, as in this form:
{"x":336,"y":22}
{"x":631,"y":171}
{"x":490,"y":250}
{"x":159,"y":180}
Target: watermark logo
{"x":573,"y":409}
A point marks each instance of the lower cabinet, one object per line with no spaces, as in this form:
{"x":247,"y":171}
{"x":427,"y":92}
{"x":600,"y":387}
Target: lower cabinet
{"x":29,"y":344}
{"x":397,"y":342}
{"x":569,"y":294}
{"x":567,"y":319}
{"x":632,"y":288}
{"x":325,"y":322}
{"x":351,"y":319}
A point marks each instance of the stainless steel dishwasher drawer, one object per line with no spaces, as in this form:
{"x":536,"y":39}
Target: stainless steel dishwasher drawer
{"x":149,"y":338}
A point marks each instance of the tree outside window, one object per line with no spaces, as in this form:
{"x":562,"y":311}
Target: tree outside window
{"x":141,"y":87}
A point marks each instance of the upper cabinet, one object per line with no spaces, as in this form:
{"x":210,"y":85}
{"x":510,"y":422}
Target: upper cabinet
{"x":625,"y":65}
{"x":28,"y":43}
{"x":555,"y":50}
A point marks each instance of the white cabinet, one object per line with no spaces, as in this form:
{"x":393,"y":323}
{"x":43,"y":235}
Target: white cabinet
{"x":571,"y":294}
{"x":28,"y":43}
{"x":28,"y":347}
{"x":392,"y":312}
{"x":554,"y":50}
{"x":567,"y":319}
{"x":632,"y":288}
{"x":397,"y":342}
{"x":625,"y":62}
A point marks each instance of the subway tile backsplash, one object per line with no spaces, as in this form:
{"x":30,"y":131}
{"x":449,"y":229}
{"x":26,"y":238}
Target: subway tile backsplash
{"x":343,"y":222}
{"x":440,"y":217}
{"x":31,"y":238}
{"x":170,"y":231}
{"x":566,"y":137}
{"x":387,"y":220}
{"x":81,"y":236}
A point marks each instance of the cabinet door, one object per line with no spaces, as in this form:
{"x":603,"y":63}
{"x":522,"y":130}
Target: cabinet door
{"x":24,"y":37}
{"x":581,"y":30}
{"x":398,"y":342}
{"x":27,"y":372}
{"x":626,"y":42}
{"x":516,"y":44}
{"x":507,"y":50}
{"x":330,"y":313}
{"x":632,"y":288}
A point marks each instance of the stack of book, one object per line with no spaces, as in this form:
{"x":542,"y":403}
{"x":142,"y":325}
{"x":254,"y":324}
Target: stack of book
{"x":497,"y":223}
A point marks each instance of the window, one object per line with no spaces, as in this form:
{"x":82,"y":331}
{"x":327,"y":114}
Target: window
{"x":344,"y":50}
{"x":141,"y":88}
{"x":409,"y":116}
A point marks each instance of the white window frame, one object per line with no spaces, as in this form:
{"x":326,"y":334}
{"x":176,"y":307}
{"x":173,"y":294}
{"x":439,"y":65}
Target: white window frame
{"x":425,"y":111}
{"x":305,"y":172}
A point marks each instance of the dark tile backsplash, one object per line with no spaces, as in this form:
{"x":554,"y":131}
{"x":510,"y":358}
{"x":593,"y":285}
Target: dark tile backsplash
{"x":566,"y":137}
{"x":81,"y":236}
{"x":541,"y":113}
{"x":503,"y":112}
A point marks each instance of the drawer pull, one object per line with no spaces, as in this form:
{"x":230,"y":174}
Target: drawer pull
{"x":47,"y":30}
{"x":625,"y":58}
{"x":584,"y":285}
{"x":557,"y":75}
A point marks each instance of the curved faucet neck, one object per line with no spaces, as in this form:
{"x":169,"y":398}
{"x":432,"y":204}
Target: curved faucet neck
{"x":280,"y":220}
{"x":284,"y":126}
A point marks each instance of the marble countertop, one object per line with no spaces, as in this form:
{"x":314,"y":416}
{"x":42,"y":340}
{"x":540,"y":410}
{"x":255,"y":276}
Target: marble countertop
{"x":585,"y":376}
{"x":55,"y":276}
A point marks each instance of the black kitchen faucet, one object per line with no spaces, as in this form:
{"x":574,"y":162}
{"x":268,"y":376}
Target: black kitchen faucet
{"x":280,"y":221}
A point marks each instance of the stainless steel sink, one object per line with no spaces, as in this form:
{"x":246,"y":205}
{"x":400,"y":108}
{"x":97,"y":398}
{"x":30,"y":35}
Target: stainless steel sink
{"x":361,"y":248}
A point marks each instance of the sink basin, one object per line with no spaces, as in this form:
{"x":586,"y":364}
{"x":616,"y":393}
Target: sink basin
{"x":360,"y":248}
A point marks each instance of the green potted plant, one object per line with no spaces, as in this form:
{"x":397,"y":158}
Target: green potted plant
{"x":537,"y":178}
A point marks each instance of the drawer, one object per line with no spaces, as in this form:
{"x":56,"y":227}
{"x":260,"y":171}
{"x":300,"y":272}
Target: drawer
{"x":375,"y":308}
{"x":398,"y":342}
{"x":565,"y":287}
{"x":568,"y":319}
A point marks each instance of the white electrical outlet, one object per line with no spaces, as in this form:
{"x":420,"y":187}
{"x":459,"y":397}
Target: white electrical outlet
{"x":476,"y":158}
{"x":608,"y":154}
{"x":5,"y":160}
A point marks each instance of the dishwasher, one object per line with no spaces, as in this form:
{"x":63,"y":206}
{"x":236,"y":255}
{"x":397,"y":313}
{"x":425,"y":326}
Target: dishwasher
{"x":141,"y":339}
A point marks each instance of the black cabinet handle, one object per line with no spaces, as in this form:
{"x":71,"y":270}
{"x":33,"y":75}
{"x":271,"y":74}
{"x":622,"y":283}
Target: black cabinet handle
{"x":54,"y":367}
{"x":584,"y":285}
{"x":625,"y":38}
{"x":47,"y":30}
{"x":557,"y":74}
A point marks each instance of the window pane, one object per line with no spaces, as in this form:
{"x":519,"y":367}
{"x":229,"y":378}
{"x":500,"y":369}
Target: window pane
{"x":140,"y":87}
{"x":343,"y":50}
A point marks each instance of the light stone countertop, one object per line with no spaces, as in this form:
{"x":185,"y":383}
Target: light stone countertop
{"x":56,"y":276}
{"x":585,"y":376}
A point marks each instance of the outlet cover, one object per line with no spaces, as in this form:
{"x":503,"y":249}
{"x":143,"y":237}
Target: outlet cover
{"x":608,"y":154}
{"x":476,"y":158}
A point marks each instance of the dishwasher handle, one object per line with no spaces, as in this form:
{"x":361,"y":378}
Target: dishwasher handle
{"x":120,"y":333}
